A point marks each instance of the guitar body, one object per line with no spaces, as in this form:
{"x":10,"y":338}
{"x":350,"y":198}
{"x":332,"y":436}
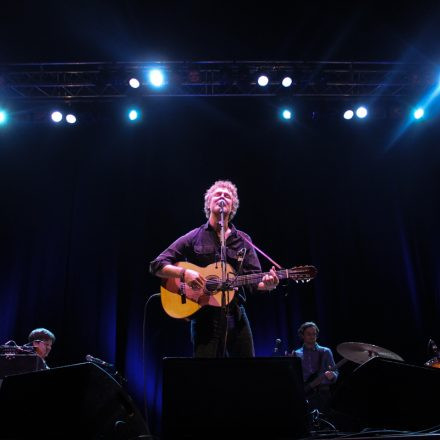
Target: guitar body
{"x":180,"y":301}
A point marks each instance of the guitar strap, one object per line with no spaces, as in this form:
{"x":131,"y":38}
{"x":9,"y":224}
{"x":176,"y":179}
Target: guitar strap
{"x":262,"y":253}
{"x":240,"y":258}
{"x":320,"y":355}
{"x":316,"y":373}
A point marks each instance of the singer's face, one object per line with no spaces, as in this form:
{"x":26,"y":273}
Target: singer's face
{"x":218,"y":195}
{"x":43,"y":348}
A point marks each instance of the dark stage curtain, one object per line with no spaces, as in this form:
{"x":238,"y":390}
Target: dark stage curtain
{"x":84,"y":209}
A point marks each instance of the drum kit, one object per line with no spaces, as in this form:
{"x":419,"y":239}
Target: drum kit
{"x":360,"y":352}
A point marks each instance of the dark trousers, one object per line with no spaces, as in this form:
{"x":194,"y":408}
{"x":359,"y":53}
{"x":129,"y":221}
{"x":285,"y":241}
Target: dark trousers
{"x":217,"y":333}
{"x":319,"y":399}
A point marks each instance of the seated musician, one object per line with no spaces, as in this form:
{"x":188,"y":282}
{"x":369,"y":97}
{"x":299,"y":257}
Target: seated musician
{"x":216,"y":331}
{"x":42,"y":340}
{"x":318,"y":365}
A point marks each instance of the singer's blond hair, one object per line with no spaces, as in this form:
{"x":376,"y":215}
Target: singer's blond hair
{"x":222,"y":184}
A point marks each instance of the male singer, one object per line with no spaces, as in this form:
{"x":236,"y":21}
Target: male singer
{"x":216,"y":331}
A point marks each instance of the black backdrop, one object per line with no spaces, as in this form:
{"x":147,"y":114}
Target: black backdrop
{"x":85,"y":208}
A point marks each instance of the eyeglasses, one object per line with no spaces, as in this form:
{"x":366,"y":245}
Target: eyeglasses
{"x":46,"y":343}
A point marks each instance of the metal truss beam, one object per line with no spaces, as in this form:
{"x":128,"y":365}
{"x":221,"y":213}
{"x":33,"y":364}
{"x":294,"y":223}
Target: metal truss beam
{"x":97,"y":81}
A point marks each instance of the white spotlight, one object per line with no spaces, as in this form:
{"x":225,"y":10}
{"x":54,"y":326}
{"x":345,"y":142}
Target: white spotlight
{"x":348,"y":114}
{"x":156,"y":78}
{"x":361,"y":112}
{"x":287,"y":81}
{"x":70,"y":118}
{"x":56,"y":116}
{"x":134,"y":83}
{"x":263,"y":80}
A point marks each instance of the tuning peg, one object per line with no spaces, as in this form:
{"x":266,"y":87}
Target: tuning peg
{"x":296,"y":281}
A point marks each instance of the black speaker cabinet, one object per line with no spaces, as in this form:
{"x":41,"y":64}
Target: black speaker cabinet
{"x":233,"y":398}
{"x":389,"y":394}
{"x":79,"y":401}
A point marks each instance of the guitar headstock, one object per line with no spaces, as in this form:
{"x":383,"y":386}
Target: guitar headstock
{"x":302,"y":274}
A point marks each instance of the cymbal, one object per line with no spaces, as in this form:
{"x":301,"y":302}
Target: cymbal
{"x":360,"y":352}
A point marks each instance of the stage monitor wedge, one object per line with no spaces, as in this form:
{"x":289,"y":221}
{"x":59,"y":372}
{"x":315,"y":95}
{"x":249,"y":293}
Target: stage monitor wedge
{"x":388,"y":394}
{"x":79,"y":401}
{"x":233,"y":398}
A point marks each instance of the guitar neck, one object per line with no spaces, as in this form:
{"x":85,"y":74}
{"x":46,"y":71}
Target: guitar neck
{"x":321,"y":377}
{"x":255,"y":278}
{"x":298,"y":273}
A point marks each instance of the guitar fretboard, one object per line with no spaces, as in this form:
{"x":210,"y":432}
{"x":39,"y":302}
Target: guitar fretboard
{"x":299,"y":273}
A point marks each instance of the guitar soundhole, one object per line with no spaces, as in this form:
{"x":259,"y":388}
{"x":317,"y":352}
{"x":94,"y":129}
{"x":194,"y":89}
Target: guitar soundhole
{"x":212,"y":284}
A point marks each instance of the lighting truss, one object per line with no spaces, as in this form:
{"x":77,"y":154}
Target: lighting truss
{"x":107,"y":81}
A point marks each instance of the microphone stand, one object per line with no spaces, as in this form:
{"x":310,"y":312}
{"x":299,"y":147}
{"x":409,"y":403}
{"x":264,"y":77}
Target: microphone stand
{"x":225,"y":292}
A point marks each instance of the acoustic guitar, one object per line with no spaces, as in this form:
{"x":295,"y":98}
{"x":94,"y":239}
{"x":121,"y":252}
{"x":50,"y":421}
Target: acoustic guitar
{"x":179,"y":300}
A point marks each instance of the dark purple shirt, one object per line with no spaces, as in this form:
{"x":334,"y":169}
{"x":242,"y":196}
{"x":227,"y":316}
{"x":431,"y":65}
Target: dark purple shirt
{"x":201,"y":247}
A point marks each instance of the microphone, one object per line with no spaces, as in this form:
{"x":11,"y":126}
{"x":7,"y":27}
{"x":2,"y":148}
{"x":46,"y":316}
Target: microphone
{"x":90,"y":358}
{"x":222,"y":203}
{"x":277,"y":348}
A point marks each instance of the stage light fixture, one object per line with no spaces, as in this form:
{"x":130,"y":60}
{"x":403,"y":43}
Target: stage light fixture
{"x":56,"y":116}
{"x":361,"y":112}
{"x":286,"y":114}
{"x":134,"y":115}
{"x":263,"y":80}
{"x":286,"y":81}
{"x":71,"y":118}
{"x":3,"y":117}
{"x":418,"y":113}
{"x":348,"y":114}
{"x":134,"y":83}
{"x":156,"y":78}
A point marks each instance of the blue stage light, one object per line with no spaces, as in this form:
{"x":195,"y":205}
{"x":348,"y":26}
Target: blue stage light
{"x":133,"y":115}
{"x":3,"y":117}
{"x":287,"y":114}
{"x":418,"y":113}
